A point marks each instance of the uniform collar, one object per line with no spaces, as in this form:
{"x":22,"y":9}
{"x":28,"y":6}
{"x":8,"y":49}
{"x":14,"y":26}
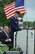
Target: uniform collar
{"x":15,"y":17}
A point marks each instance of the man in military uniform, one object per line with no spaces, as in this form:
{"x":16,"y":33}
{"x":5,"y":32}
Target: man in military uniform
{"x":14,"y":25}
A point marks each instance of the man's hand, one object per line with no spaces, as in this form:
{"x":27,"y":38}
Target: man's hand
{"x":7,"y":40}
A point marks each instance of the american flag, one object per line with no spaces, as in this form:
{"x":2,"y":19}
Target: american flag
{"x":11,"y":8}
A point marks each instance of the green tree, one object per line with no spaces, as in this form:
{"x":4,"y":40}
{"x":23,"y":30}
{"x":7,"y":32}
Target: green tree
{"x":34,"y":24}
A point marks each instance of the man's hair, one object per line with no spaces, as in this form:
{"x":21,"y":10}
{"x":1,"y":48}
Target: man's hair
{"x":6,"y":27}
{"x":18,"y":12}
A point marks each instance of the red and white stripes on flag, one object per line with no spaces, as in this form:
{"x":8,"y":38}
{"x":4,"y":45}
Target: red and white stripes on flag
{"x":10,"y":10}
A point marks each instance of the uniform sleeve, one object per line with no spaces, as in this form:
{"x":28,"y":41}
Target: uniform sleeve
{"x":14,"y":25}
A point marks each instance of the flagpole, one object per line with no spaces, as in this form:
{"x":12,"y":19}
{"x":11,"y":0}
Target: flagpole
{"x":27,"y":31}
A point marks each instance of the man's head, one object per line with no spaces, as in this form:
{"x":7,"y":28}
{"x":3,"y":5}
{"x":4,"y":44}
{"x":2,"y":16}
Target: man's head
{"x":17,"y":13}
{"x":6,"y":28}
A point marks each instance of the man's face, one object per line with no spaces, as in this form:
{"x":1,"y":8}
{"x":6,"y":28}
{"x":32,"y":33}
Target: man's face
{"x":17,"y":15}
{"x":7,"y":29}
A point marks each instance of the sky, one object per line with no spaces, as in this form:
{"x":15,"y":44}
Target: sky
{"x":30,"y":10}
